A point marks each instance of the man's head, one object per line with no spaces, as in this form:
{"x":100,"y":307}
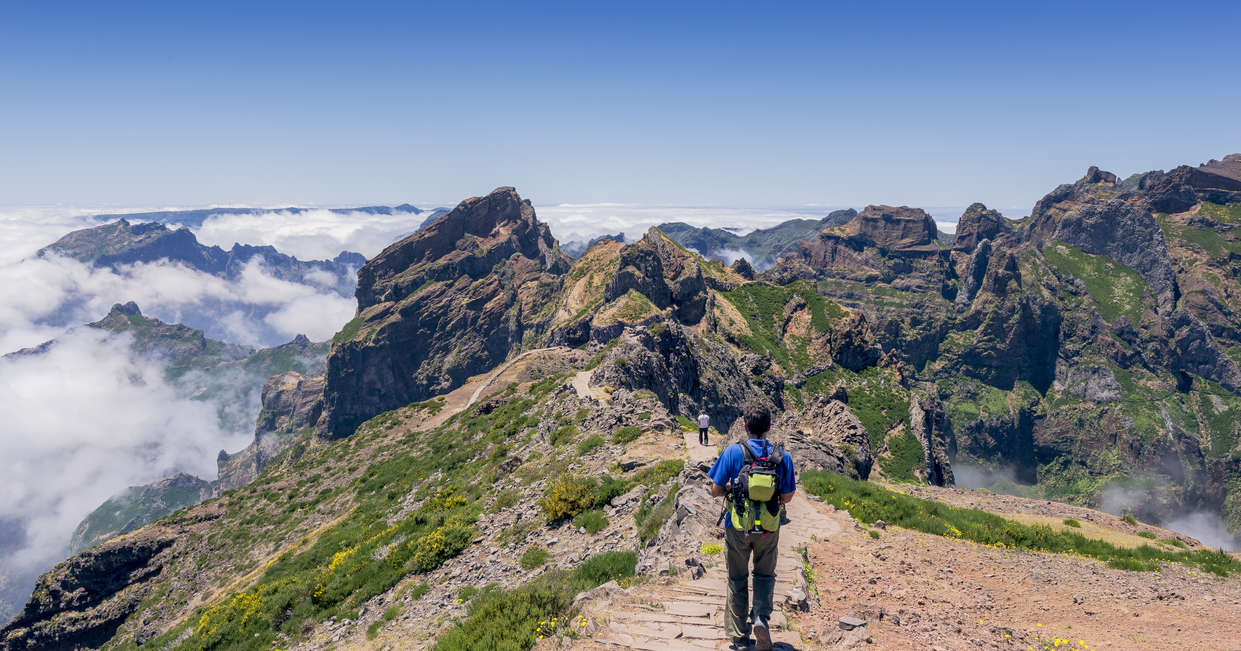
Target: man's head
{"x":757,"y":420}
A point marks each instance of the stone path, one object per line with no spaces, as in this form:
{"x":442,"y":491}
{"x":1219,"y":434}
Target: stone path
{"x":689,"y":613}
{"x":581,"y":383}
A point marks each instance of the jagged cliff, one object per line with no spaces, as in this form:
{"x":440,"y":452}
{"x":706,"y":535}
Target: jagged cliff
{"x":445,"y":303}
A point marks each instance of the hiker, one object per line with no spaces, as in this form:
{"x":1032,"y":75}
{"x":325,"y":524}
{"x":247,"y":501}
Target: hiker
{"x":758,"y":478}
{"x":704,"y":422}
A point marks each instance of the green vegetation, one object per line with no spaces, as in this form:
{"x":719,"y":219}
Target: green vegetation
{"x":876,"y":397}
{"x":636,"y":306}
{"x":511,"y":620}
{"x":1147,"y":534}
{"x":1116,"y":289}
{"x":419,"y":591}
{"x":907,"y":457}
{"x":868,"y":502}
{"x":564,"y":434}
{"x":626,"y":434}
{"x":374,"y":543}
{"x":1072,"y":523}
{"x":1129,"y":519}
{"x":534,"y":557}
{"x":568,"y":496}
{"x":711,"y":549}
{"x":592,"y":521}
{"x":348,"y":332}
{"x":651,"y":519}
{"x":762,"y":306}
{"x":587,"y":446}
{"x":1228,"y":214}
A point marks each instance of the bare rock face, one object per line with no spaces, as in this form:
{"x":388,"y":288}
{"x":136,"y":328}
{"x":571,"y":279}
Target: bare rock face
{"x":979,"y":223}
{"x":687,"y":373}
{"x":826,"y":435}
{"x":892,"y":228}
{"x":445,"y":303}
{"x":929,"y":423}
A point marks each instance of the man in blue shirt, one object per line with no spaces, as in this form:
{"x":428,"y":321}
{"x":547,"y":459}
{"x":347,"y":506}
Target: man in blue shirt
{"x":760,"y":540}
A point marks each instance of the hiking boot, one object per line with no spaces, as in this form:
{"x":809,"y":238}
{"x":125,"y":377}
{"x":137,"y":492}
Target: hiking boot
{"x":763,"y":637}
{"x":742,"y":642}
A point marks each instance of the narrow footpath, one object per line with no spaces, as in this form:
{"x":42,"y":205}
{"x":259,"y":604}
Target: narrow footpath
{"x":688,"y":613}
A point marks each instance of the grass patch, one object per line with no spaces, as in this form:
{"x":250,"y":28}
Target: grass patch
{"x":564,"y":435}
{"x":1147,"y":534}
{"x":534,"y":557}
{"x":626,"y":434}
{"x":1128,"y":519}
{"x":1072,"y":523}
{"x":592,"y":521}
{"x":868,"y":502}
{"x":513,"y":620}
{"x":711,"y":549}
{"x":1116,"y":289}
{"x":348,"y":332}
{"x":907,"y":457}
{"x":587,"y":446}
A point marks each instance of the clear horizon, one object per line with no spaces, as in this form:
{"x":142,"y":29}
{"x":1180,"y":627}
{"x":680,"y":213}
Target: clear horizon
{"x":719,"y":104}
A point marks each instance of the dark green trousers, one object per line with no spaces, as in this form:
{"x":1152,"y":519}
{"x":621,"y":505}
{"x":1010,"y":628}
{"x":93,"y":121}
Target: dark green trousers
{"x":740,"y":546}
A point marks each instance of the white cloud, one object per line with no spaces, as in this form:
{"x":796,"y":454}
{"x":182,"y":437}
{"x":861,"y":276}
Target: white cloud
{"x":312,"y":234}
{"x":40,"y":297}
{"x":98,"y":420}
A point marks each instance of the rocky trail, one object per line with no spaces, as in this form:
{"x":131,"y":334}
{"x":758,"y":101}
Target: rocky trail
{"x":687,"y":612}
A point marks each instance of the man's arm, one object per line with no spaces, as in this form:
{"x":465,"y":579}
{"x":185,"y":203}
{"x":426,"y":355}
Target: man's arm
{"x":717,"y":490}
{"x":787,"y":497}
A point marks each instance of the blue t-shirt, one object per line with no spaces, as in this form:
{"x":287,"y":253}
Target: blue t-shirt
{"x":732,"y":459}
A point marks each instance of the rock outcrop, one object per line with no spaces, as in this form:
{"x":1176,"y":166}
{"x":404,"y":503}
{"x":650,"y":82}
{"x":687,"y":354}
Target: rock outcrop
{"x":826,"y":435}
{"x":929,"y":423}
{"x":445,"y":303}
{"x":977,"y":224}
{"x":81,"y":602}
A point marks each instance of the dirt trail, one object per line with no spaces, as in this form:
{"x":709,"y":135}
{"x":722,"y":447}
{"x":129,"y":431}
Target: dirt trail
{"x":688,"y":613}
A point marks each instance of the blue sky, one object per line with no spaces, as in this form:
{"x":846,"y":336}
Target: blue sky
{"x":721,"y":104}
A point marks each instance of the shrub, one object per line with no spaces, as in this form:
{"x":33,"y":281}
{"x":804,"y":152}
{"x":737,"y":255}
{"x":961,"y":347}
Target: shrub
{"x":587,"y":446}
{"x":1073,"y":523}
{"x":534,"y":557}
{"x":564,"y":434}
{"x":1175,"y":542}
{"x":1129,"y":519}
{"x":568,"y":496}
{"x":874,"y":534}
{"x":509,"y":620}
{"x":626,"y":434}
{"x":1147,"y":534}
{"x":592,"y":521}
{"x":711,"y":549}
{"x":419,"y":591}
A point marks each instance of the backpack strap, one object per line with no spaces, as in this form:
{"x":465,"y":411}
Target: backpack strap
{"x":748,"y":454}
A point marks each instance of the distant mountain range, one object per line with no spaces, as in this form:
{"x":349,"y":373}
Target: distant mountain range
{"x":763,"y":246}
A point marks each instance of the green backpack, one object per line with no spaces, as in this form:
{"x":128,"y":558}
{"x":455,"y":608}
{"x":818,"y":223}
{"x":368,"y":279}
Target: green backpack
{"x":756,"y":502}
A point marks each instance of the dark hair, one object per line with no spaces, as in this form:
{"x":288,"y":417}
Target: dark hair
{"x":757,"y":419}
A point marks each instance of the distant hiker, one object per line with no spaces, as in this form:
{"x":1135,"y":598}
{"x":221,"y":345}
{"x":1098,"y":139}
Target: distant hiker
{"x":758,"y":478}
{"x":704,"y":422}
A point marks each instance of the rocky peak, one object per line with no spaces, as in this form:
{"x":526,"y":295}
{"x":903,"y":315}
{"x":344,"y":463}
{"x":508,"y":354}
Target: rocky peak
{"x":889,"y":227}
{"x":129,"y":308}
{"x":978,"y":223}
{"x":1095,"y":175}
{"x":450,"y":301}
{"x":665,"y":273}
{"x":470,"y":240}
